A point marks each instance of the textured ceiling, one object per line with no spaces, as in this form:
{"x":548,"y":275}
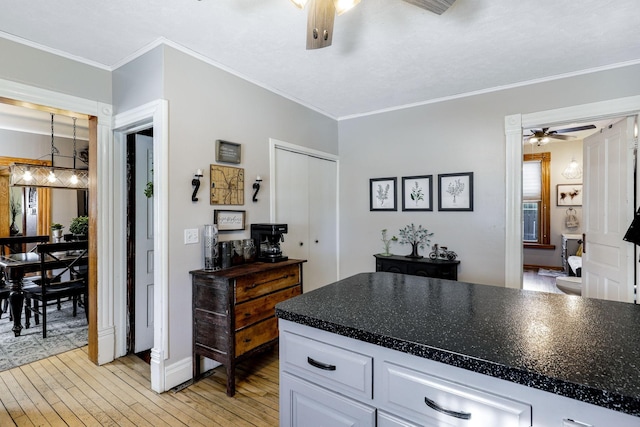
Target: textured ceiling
{"x":385,"y":53}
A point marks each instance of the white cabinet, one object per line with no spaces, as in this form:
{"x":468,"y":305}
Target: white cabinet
{"x":304,"y":404}
{"x":331,"y":380}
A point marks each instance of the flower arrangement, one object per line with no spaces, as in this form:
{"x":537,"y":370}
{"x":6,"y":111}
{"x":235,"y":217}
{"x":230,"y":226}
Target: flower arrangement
{"x":417,"y":237}
{"x":387,"y":241}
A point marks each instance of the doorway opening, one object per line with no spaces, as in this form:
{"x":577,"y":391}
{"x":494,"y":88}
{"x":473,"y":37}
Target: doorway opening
{"x":514,"y":132}
{"x":140,"y":243}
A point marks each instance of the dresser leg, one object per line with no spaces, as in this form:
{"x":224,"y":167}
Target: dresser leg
{"x":231,"y":378}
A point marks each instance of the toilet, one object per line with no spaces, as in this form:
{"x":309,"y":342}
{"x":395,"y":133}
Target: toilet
{"x":570,"y":285}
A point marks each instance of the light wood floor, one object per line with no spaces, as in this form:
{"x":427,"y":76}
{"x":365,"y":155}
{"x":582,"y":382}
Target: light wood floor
{"x":69,"y":390}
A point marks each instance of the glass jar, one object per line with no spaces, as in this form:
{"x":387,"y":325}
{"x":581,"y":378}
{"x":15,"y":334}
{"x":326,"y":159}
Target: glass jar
{"x":237,"y":256}
{"x":248,"y":250}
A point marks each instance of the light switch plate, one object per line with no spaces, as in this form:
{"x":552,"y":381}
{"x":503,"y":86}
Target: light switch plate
{"x":190,"y":236}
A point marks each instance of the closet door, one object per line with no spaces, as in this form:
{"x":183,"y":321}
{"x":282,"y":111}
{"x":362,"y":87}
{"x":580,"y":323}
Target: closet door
{"x":305,"y":198}
{"x":322,"y":223}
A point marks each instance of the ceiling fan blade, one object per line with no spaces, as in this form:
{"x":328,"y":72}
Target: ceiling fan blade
{"x":562,"y":137}
{"x":436,"y":6}
{"x":575,"y":129}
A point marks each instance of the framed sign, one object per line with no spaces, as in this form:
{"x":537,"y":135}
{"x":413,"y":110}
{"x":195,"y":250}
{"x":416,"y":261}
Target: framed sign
{"x":229,"y":220}
{"x":382,"y":194}
{"x":417,"y":193}
{"x":228,"y":152}
{"x":569,"y":195}
{"x":455,"y":192}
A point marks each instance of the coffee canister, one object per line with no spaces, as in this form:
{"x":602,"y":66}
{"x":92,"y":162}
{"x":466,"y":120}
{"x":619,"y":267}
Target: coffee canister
{"x":225,"y":249}
{"x":210,"y":246}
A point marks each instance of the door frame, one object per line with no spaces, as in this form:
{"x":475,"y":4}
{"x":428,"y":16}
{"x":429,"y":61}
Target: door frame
{"x":514,"y":126}
{"x":101,"y":330}
{"x":153,"y":114}
{"x":275,"y":144}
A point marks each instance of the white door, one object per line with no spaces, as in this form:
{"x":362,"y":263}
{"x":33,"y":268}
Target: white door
{"x":144,"y":246}
{"x":607,"y":269}
{"x":305,"y":200}
{"x":322,"y":267}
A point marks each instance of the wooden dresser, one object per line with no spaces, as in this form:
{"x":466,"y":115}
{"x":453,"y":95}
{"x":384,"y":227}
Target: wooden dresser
{"x":234,"y":314}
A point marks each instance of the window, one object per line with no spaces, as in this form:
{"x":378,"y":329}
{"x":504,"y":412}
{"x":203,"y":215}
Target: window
{"x":535,"y":199}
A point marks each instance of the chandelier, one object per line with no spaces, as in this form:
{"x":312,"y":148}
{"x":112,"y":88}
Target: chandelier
{"x":34,"y":175}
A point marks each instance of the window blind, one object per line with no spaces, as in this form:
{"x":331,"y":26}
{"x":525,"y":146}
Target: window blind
{"x":532,"y":181}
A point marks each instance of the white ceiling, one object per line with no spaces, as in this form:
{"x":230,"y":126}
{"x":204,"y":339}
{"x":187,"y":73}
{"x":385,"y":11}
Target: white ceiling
{"x":385,"y":53}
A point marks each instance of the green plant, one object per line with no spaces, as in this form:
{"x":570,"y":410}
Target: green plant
{"x":148,"y":189}
{"x":79,"y":225}
{"x":56,"y":226}
{"x":387,"y":241}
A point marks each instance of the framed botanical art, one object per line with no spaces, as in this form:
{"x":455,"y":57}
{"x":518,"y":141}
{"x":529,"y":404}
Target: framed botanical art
{"x":382,"y":194}
{"x":417,"y":193}
{"x":455,"y":191}
{"x":569,"y":195}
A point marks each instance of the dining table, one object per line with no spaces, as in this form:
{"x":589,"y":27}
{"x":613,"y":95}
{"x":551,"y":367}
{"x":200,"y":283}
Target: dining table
{"x":15,"y":266}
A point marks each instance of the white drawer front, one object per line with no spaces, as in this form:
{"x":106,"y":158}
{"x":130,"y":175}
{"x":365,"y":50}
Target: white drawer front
{"x":418,"y":395}
{"x":333,"y":367}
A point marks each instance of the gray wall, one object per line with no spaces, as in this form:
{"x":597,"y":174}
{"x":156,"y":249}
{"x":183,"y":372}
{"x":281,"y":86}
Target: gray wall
{"x":34,"y":67}
{"x":206,"y":104}
{"x":460,"y":135}
{"x":139,"y":81}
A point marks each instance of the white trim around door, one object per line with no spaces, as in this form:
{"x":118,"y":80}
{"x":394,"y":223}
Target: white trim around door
{"x":154,"y":114}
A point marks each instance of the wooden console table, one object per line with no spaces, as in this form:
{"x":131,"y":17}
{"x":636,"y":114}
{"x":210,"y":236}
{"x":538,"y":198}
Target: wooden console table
{"x":438,"y":268}
{"x":234,"y":311}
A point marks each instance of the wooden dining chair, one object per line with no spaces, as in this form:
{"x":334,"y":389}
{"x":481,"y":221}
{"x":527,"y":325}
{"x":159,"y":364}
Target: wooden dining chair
{"x":60,"y":276}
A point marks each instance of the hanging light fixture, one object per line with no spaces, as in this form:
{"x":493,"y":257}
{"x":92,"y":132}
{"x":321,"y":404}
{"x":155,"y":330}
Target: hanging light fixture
{"x":34,"y":175}
{"x":320,"y":19}
{"x":573,"y":170}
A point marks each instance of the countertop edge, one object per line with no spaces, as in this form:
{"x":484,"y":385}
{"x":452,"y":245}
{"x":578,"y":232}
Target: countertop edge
{"x":602,"y":398}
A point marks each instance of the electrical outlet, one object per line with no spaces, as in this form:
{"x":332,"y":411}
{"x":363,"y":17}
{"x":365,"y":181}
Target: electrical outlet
{"x":190,"y":236}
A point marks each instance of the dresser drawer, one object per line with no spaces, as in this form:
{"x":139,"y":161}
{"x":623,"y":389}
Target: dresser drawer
{"x":327,"y":365}
{"x":258,"y":284}
{"x":258,"y":309}
{"x":256,"y":335}
{"x":416,"y":394}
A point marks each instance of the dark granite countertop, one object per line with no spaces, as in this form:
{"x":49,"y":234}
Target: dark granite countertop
{"x":581,"y":348}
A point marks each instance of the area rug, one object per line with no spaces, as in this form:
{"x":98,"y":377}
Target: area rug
{"x":552,"y":273}
{"x":64,"y":333}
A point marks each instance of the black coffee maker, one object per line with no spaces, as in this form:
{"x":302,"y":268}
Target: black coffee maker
{"x":267,"y":238}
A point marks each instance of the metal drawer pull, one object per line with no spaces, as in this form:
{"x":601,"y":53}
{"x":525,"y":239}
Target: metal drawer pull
{"x":320,"y":365}
{"x":433,"y":405}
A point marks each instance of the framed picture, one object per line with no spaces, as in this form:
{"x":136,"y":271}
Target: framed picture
{"x":227,"y":185}
{"x":455,"y":191}
{"x":229,"y":220}
{"x":569,"y":195}
{"x":417,"y":193}
{"x":382,"y":194}
{"x":228,"y":152}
